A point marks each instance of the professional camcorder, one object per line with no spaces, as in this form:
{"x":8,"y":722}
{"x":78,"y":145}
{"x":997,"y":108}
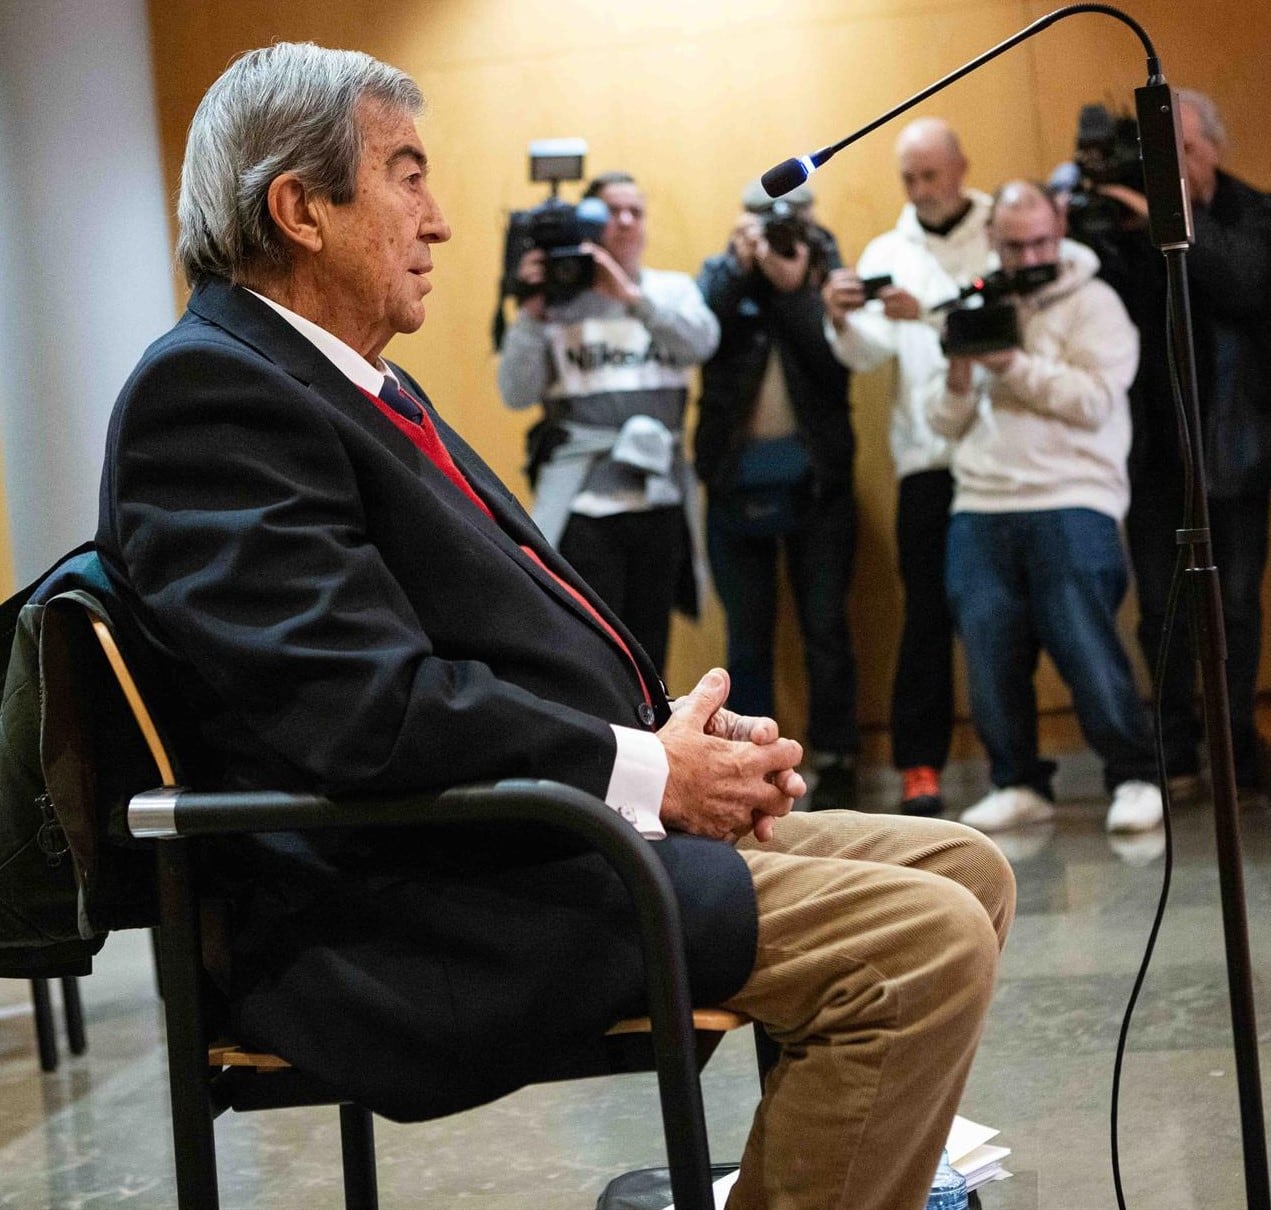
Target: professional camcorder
{"x":982,"y":318}
{"x":1107,"y":153}
{"x":557,"y":227}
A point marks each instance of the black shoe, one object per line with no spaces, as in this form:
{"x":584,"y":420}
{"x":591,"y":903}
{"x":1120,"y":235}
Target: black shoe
{"x":835,"y":788}
{"x":930,"y":805}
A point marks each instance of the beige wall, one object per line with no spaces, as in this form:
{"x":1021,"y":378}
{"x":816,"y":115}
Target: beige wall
{"x":694,"y":99}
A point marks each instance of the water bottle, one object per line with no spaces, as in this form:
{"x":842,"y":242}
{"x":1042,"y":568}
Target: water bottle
{"x":948,"y":1190}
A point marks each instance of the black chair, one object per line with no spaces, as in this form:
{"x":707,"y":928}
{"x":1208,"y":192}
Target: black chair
{"x":113,"y":767}
{"x":46,"y":1026}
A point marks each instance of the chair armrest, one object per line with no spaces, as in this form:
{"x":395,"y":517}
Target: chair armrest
{"x":173,"y":815}
{"x":169,"y":812}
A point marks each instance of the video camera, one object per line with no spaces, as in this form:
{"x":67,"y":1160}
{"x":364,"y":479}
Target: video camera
{"x":555,"y":226}
{"x":1107,"y":153}
{"x":981,"y":319}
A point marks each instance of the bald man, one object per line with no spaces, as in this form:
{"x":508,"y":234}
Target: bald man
{"x":1035,"y":561}
{"x":938,"y":245}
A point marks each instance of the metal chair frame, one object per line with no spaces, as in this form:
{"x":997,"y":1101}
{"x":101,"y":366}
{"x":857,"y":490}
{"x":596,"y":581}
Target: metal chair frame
{"x":176,"y":820}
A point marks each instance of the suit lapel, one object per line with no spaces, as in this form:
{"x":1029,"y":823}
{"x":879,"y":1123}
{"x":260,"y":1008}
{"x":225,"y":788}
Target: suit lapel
{"x":515,"y":529}
{"x":249,"y":320}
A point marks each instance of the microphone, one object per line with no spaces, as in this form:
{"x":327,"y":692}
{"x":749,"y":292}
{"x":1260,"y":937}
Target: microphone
{"x":787,"y":175}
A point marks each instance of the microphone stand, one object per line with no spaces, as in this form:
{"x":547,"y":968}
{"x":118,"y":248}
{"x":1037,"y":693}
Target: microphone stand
{"x":1170,"y":227}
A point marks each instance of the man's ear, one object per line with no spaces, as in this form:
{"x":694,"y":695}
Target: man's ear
{"x":295,"y":214}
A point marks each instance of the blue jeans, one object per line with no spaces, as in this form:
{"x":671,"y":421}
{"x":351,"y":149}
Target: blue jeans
{"x":819,"y":551}
{"x":1050,"y":580}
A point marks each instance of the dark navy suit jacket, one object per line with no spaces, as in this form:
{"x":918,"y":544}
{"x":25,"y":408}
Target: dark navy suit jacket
{"x":338,"y":616}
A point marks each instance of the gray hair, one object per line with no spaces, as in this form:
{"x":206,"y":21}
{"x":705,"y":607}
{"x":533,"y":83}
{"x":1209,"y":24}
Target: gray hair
{"x":1211,"y":125}
{"x":290,"y":107}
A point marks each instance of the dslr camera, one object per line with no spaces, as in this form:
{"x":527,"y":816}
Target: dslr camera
{"x":1107,"y":153}
{"x":982,"y":318}
{"x":557,"y":227}
{"x":786,"y":226}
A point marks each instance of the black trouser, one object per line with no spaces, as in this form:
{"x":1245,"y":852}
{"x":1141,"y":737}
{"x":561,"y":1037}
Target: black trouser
{"x":633,"y":561}
{"x":1238,"y":528}
{"x":819,"y":554}
{"x":922,"y":690}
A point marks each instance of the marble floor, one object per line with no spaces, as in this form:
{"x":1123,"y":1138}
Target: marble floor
{"x":95,"y":1133}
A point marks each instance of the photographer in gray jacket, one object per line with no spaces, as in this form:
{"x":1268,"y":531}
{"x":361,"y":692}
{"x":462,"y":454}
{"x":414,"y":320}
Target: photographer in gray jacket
{"x":614,"y":493}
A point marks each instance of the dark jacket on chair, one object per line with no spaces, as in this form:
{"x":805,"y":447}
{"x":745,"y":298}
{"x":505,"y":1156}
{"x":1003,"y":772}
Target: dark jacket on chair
{"x":339,"y":616}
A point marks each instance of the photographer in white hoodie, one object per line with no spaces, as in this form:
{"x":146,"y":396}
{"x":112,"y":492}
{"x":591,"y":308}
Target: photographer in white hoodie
{"x":1035,"y":560}
{"x":939,"y":244}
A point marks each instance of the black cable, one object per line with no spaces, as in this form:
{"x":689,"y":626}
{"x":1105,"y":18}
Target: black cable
{"x":1158,"y":682}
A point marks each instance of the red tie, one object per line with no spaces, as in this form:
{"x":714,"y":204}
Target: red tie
{"x":398,"y":405}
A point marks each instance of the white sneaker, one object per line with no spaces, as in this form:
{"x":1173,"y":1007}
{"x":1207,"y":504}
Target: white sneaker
{"x":1138,"y":848}
{"x":1136,"y":807}
{"x":1009,"y":808}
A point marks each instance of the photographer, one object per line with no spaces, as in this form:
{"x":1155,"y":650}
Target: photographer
{"x":938,"y":245}
{"x":774,"y":447}
{"x":1034,"y":556}
{"x":615,"y":495}
{"x":1229,"y":278}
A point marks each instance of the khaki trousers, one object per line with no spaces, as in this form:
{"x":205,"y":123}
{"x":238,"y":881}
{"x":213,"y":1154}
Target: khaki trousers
{"x":878,"y":944}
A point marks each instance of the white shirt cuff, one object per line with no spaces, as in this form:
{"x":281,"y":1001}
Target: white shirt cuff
{"x":638,"y":781}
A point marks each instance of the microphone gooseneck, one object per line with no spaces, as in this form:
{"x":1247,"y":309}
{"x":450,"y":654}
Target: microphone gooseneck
{"x":786,"y":176}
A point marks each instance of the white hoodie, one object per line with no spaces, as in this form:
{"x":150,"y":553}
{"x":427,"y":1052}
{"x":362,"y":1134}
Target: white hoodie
{"x":1054,"y":430}
{"x":933,"y":268}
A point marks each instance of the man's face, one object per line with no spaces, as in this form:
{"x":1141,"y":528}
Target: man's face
{"x":625,"y":232}
{"x":1200,"y":156}
{"x":932,"y":176}
{"x":1024,"y":236}
{"x":376,"y":250}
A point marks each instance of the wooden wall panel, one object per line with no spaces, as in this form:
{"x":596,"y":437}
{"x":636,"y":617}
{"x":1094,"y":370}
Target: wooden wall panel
{"x":694,"y":99}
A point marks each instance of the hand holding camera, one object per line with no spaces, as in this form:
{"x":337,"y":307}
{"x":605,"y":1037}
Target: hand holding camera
{"x":845,"y":291}
{"x":784,"y":264}
{"x":842,"y":293}
{"x":531,"y":278}
{"x":610,"y":277}
{"x":786,"y":271}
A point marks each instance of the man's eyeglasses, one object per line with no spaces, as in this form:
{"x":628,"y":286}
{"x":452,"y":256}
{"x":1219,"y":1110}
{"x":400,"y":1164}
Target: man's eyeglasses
{"x":1021,"y":247}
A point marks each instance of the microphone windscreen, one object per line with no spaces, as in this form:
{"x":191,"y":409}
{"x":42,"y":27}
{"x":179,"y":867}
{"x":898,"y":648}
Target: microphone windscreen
{"x":784,"y":177}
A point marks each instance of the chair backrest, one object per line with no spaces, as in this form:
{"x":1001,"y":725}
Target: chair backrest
{"x":73,"y":751}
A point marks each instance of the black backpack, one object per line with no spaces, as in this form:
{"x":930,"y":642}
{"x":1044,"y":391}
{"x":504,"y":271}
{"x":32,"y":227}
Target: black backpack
{"x":69,"y":872}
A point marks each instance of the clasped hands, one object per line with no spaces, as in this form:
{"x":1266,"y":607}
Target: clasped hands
{"x":729,"y":774}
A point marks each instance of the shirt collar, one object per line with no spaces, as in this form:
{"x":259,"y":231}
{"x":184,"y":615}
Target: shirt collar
{"x":356,"y":369}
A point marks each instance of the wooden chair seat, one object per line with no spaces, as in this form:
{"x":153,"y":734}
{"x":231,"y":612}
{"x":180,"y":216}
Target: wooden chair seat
{"x":705,"y":1021}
